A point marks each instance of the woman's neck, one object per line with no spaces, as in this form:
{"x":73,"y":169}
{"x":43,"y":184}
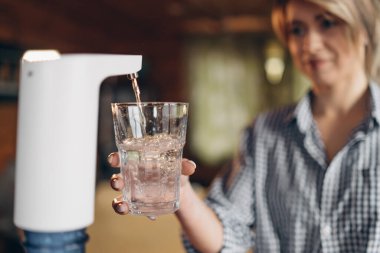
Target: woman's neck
{"x":337,"y":111}
{"x":341,"y":98}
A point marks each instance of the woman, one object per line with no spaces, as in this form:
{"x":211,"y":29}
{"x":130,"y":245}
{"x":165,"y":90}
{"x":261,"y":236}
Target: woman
{"x":308,"y":175}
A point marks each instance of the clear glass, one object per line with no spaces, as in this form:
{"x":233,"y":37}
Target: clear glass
{"x":150,"y":137}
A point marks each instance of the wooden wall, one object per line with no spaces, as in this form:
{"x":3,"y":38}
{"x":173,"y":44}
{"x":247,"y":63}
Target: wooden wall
{"x":8,"y":122}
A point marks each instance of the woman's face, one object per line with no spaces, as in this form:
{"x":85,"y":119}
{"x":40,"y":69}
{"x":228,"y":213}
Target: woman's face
{"x":319,"y":45}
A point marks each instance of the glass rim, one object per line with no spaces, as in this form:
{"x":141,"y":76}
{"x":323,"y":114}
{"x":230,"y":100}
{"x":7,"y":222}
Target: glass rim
{"x":148,"y":103}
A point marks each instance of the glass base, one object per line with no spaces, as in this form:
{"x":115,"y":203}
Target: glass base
{"x":153,"y":209}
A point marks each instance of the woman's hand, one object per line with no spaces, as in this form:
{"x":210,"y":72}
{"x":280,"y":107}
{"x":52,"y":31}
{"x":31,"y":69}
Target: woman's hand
{"x":116,"y":181}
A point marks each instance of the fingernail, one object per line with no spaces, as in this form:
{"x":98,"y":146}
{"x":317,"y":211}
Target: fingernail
{"x":110,"y":158}
{"x":192,"y":162}
{"x":115,"y":183}
{"x":120,"y":208}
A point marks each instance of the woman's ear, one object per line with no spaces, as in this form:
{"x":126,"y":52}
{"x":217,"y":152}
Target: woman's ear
{"x":362,"y":42}
{"x":363,"y":38}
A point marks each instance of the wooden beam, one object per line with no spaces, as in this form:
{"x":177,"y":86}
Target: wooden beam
{"x":79,"y":25}
{"x":229,"y":24}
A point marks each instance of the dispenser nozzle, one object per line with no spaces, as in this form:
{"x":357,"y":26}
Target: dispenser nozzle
{"x":132,"y":76}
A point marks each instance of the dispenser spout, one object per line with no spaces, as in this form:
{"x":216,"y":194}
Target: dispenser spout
{"x":132,"y":76}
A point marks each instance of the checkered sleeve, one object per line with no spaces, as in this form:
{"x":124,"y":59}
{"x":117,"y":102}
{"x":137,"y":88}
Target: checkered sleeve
{"x":231,"y":196}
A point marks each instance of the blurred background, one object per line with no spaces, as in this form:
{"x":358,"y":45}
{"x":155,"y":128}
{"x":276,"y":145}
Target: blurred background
{"x":220,"y":56}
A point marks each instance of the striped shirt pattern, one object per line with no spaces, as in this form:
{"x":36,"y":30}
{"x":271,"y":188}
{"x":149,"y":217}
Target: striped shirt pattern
{"x":283,"y":196}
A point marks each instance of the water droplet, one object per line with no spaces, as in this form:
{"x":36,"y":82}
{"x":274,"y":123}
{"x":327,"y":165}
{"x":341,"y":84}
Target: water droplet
{"x":152,"y":217}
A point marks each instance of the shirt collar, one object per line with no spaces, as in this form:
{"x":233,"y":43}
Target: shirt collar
{"x":302,"y":113}
{"x":375,"y":101}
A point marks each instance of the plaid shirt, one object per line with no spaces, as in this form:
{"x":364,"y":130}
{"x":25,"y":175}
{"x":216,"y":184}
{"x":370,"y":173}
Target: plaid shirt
{"x":283,"y":196}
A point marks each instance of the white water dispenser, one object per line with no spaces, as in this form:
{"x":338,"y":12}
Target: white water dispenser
{"x":57,"y":137}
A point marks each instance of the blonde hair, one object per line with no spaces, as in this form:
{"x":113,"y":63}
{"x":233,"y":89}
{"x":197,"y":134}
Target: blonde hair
{"x":358,"y":15}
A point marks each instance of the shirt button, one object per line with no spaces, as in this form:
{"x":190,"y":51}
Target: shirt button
{"x":325,"y":231}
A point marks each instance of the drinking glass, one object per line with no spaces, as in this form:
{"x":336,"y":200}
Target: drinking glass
{"x":150,"y":137}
